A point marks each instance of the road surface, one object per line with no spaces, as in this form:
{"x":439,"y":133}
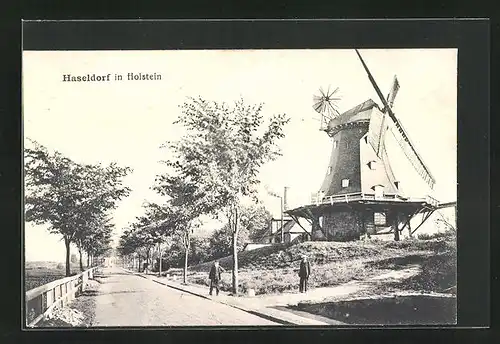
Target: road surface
{"x":129,"y":300}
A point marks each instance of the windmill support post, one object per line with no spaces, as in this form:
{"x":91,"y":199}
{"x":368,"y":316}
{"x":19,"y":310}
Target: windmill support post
{"x":426,"y":216}
{"x":396,"y":230}
{"x":295,"y":218}
{"x":407,"y":223}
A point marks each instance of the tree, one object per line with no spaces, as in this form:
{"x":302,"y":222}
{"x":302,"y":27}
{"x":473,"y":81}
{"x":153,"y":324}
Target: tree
{"x":255,"y":220}
{"x":220,"y":243}
{"x":66,"y":195}
{"x":200,"y":250}
{"x":95,"y":238}
{"x":126,"y":245}
{"x":253,"y":226}
{"x":446,"y":222}
{"x":153,"y":230}
{"x":185,"y":205}
{"x":221,"y":156}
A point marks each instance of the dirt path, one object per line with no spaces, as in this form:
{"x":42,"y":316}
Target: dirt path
{"x":128,"y":300}
{"x":340,"y":292}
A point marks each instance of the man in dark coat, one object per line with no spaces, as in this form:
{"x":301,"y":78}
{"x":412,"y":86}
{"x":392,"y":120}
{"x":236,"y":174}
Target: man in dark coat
{"x":304,"y":272}
{"x":215,"y":277}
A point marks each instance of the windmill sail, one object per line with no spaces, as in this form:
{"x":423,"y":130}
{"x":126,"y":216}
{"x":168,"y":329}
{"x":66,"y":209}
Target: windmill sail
{"x":398,"y":131}
{"x":408,"y":148}
{"x":325,"y":104}
{"x":375,"y":130}
{"x":394,"y":91}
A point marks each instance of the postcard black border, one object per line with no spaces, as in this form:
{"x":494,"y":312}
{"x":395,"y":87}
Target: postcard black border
{"x":470,"y":36}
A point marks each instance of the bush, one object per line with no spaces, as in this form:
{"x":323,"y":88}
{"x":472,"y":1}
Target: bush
{"x":445,"y":234}
{"x":438,"y":273}
{"x":60,"y":266}
{"x":437,"y":244}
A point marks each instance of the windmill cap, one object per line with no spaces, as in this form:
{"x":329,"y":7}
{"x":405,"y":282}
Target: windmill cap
{"x":358,"y":113}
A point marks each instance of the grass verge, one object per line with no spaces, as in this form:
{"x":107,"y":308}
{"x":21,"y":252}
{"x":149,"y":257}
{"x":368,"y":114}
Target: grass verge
{"x":275,"y":269}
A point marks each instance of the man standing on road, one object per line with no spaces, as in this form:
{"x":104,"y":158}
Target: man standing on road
{"x":215,"y":277}
{"x":304,"y":272}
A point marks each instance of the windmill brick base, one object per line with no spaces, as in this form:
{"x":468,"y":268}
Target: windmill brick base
{"x":348,"y":217}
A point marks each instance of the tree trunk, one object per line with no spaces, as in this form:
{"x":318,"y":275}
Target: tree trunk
{"x":235,"y":252}
{"x":88,"y":260}
{"x":147,"y":255}
{"x":81,"y":258}
{"x":160,"y":261}
{"x":186,"y":259}
{"x":67,"y":243}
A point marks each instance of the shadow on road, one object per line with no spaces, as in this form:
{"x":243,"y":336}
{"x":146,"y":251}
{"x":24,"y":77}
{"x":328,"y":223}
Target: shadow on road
{"x":101,"y":276}
{"x":99,"y":293}
{"x":400,"y":310}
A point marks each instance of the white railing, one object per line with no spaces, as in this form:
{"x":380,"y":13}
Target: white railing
{"x":360,"y":196}
{"x":40,"y":301}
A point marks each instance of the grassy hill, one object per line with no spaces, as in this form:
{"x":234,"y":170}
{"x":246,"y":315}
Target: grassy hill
{"x":274,"y":268}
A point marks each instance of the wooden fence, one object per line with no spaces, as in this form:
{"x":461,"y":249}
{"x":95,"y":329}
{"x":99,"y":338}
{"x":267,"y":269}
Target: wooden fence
{"x":40,"y":301}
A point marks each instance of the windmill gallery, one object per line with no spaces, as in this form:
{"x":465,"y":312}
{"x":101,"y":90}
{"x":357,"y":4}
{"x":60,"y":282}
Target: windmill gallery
{"x":361,"y":194}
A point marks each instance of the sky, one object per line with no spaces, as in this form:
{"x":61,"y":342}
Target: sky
{"x":127,"y":121}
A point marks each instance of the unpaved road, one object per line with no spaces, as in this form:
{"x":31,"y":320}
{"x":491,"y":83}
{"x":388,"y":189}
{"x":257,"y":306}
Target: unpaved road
{"x":129,"y":300}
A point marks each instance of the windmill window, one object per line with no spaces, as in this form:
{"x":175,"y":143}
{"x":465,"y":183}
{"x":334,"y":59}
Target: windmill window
{"x":372,"y":165}
{"x":329,"y":170}
{"x":379,"y":219}
{"x":347,"y":145}
{"x":379,"y":191}
{"x":335,"y":144}
{"x":345,"y":183}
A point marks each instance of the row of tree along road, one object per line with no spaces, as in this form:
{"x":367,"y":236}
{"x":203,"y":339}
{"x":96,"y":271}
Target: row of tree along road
{"x":74,"y":200}
{"x":211,"y":171}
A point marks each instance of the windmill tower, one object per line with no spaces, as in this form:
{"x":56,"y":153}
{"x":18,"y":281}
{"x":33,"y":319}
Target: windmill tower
{"x":361,"y":194}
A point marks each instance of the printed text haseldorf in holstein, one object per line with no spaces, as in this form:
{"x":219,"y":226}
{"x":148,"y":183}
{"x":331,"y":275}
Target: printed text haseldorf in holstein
{"x":110,"y":77}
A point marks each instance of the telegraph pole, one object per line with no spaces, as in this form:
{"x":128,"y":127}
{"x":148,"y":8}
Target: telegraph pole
{"x":282,"y":229}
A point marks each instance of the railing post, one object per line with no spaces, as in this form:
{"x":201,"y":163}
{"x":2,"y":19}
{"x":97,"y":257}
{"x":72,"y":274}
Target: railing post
{"x":84,"y":280}
{"x":50,"y":297}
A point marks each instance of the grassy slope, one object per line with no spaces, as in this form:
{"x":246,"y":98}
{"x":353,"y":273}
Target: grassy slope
{"x":274,"y":269}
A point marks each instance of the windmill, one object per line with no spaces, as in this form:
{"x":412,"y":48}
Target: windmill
{"x":360,"y":193}
{"x":325,"y":103}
